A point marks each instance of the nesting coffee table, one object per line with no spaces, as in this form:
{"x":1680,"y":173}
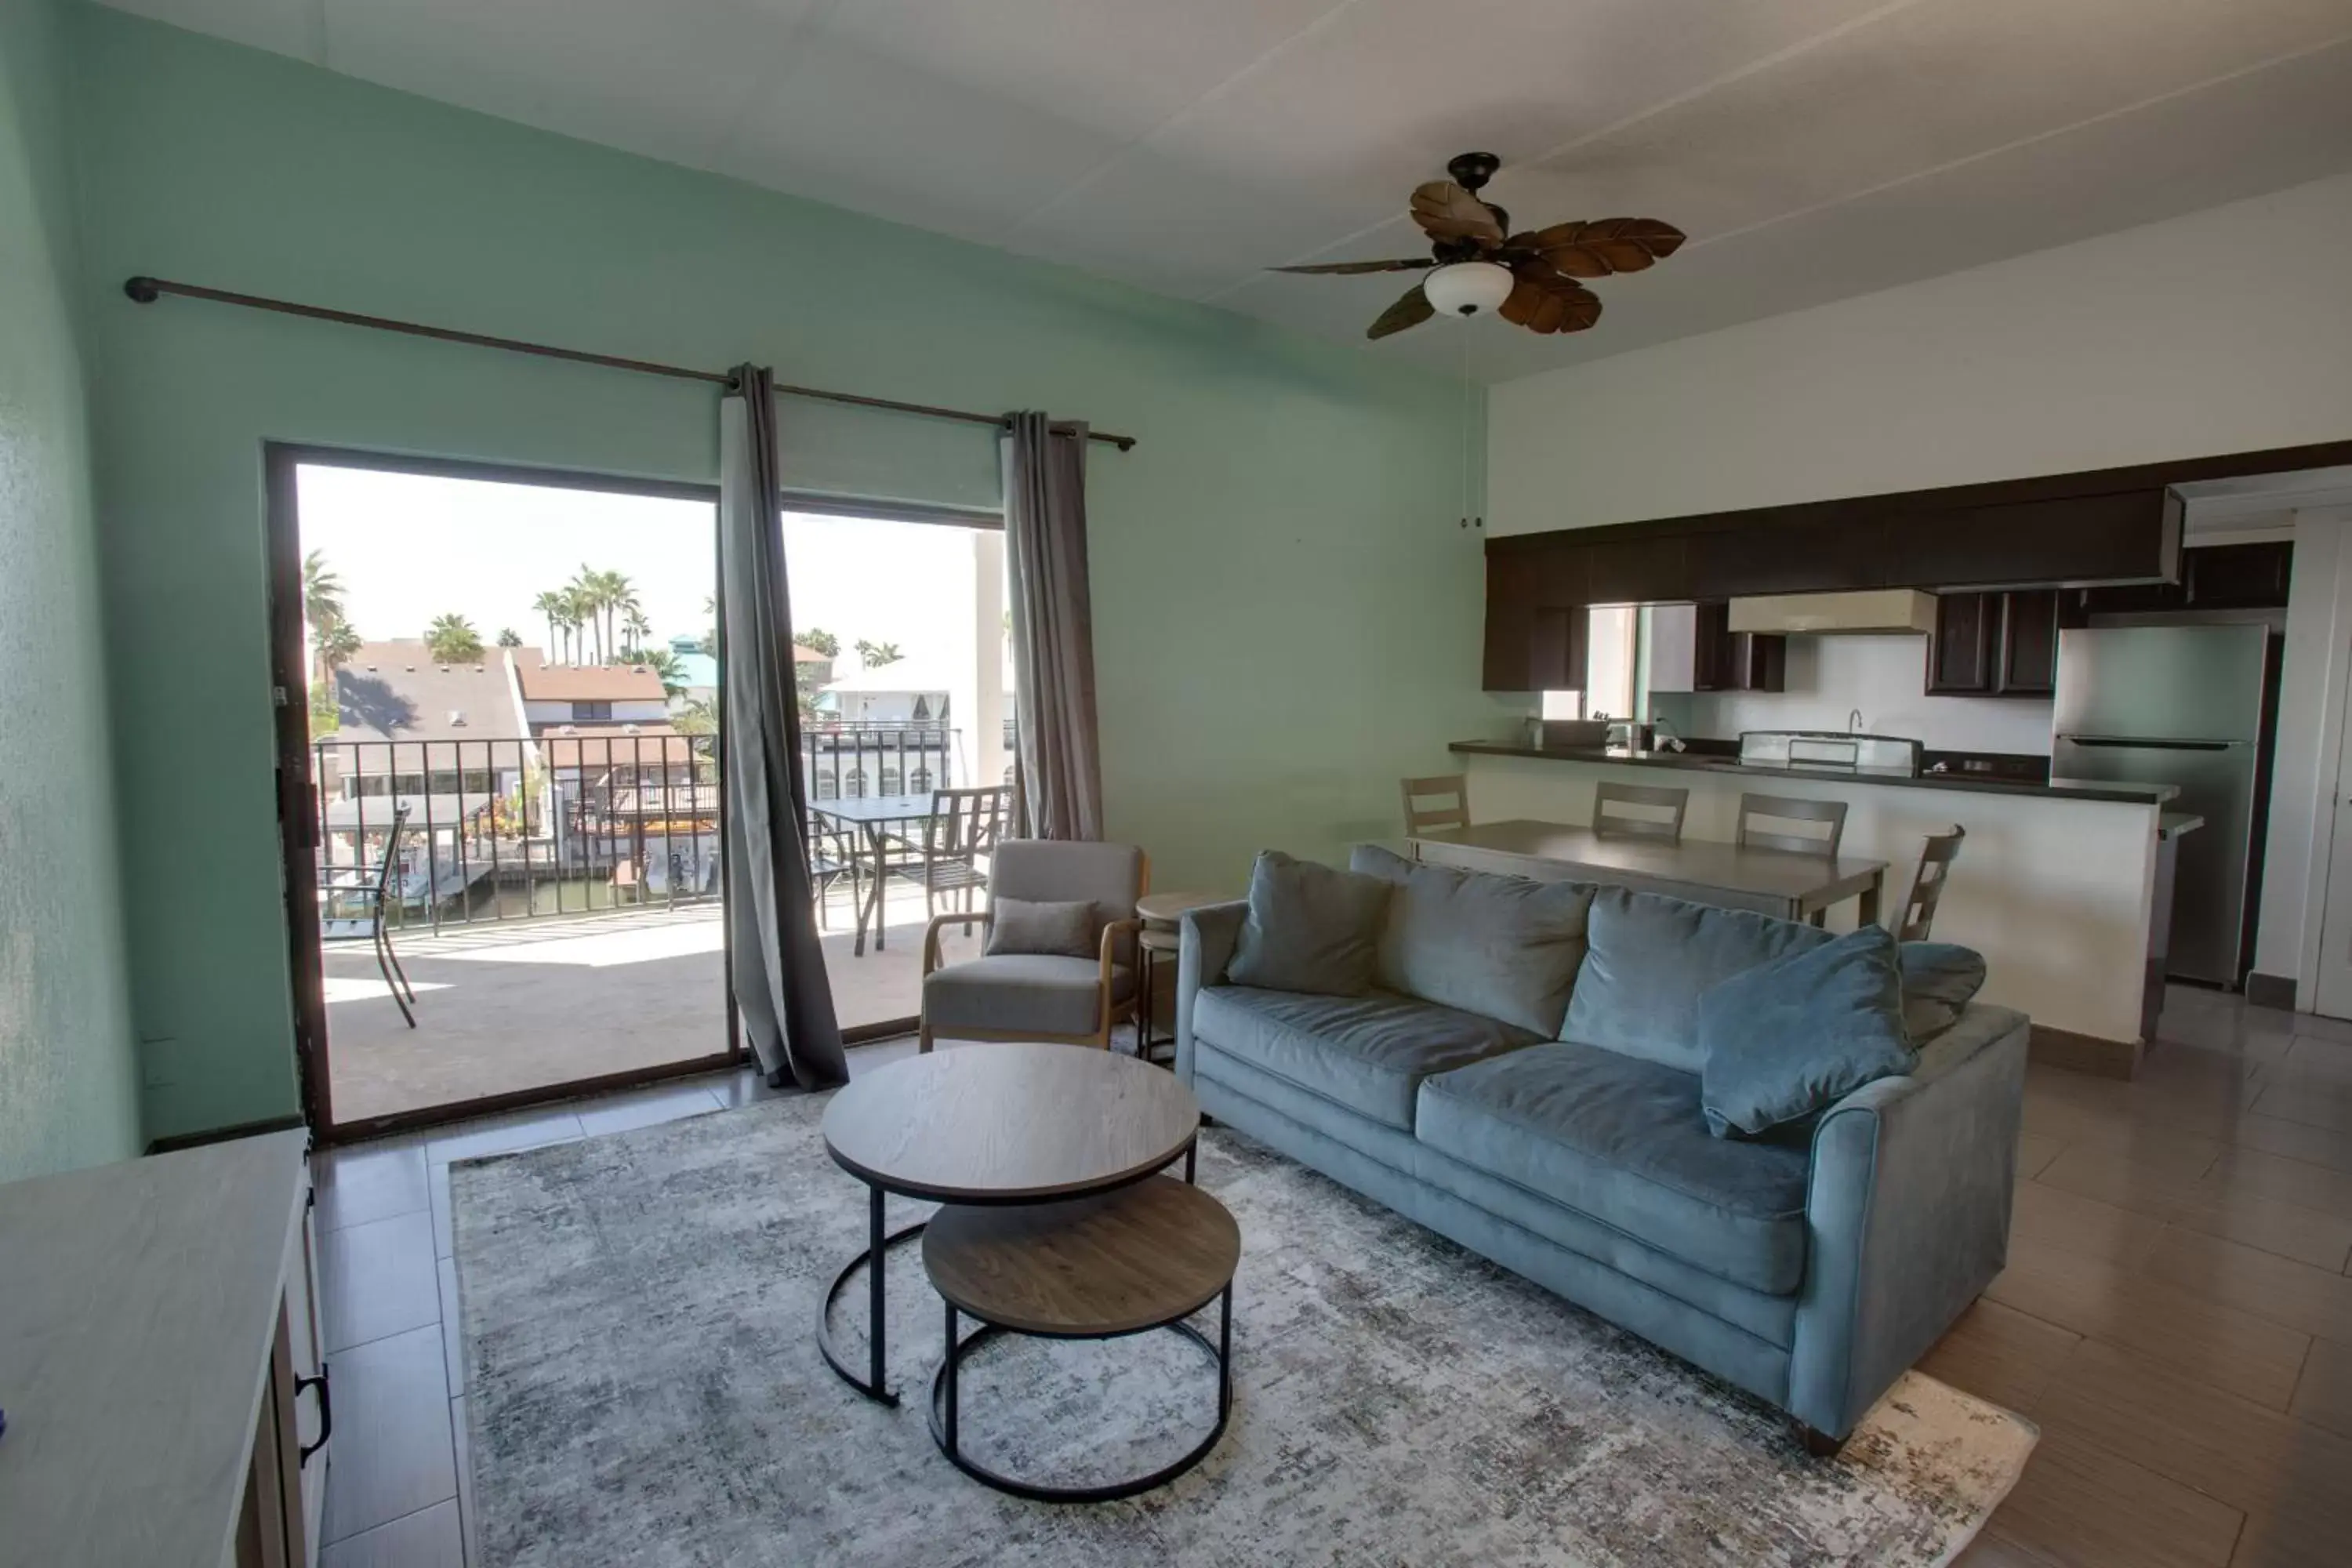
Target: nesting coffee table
{"x":1002,"y":1124}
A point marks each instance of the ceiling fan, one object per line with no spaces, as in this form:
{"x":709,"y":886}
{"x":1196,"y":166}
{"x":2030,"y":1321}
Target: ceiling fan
{"x":1529,"y":279}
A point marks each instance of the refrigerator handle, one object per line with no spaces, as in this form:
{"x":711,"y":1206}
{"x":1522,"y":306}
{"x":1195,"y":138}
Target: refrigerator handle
{"x":2153,"y":745}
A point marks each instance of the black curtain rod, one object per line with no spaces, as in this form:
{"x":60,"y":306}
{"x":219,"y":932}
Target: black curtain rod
{"x":147,"y":290}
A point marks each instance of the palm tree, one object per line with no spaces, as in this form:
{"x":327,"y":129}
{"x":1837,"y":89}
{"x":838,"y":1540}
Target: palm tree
{"x":550,"y":605}
{"x":336,"y":643}
{"x":666,"y":664}
{"x":877,"y":654}
{"x":816,"y":639}
{"x":696,"y":718}
{"x":452,"y":639}
{"x":322,"y":591}
{"x":510,"y":637}
{"x":637,"y":627}
{"x":580,"y":602}
{"x":616,"y":594}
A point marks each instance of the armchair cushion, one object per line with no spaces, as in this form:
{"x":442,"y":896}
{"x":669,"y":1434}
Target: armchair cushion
{"x":1016,"y":993}
{"x":1025,"y":925}
{"x":1310,"y":928}
{"x":1786,"y":1040}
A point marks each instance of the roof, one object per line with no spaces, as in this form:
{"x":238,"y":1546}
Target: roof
{"x":593,"y":746}
{"x":803,"y":654}
{"x":903,"y":675}
{"x":394,"y":691}
{"x":374,"y":812}
{"x":545,"y":683}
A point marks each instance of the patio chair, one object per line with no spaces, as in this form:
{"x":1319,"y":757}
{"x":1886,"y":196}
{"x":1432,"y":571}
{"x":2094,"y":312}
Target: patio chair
{"x":1033,"y":995}
{"x":963,"y":826}
{"x":832,"y":855}
{"x":369,"y":893}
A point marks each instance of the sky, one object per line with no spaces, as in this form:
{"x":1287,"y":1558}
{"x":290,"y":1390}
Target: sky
{"x":409,"y":547}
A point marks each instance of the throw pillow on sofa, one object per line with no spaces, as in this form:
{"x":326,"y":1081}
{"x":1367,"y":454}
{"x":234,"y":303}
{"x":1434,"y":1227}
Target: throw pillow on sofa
{"x":1505,"y":947}
{"x":1025,"y":925}
{"x":1310,"y":928}
{"x":1939,"y":978}
{"x":1785,"y":1040}
{"x":1652,"y":957}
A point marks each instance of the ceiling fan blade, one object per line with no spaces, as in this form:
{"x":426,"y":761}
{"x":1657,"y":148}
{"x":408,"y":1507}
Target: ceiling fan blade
{"x":1410,"y":310}
{"x":1608,"y":245}
{"x":1405,"y":264}
{"x":1544,"y":302}
{"x":1445,"y":211}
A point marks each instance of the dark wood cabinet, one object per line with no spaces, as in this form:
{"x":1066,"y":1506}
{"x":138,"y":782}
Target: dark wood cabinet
{"x":1995,"y":644}
{"x":1534,"y":647}
{"x":1725,"y":660}
{"x":2237,"y":576}
{"x":2025,"y":662}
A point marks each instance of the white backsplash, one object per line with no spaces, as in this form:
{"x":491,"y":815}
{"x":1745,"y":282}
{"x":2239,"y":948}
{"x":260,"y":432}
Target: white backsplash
{"x":1886,"y":677}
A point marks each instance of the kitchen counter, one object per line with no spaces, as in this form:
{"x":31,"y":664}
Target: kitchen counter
{"x":1690,"y":761}
{"x":2173,"y":824}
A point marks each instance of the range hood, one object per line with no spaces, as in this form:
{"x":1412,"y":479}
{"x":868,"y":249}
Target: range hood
{"x":1879,"y":610}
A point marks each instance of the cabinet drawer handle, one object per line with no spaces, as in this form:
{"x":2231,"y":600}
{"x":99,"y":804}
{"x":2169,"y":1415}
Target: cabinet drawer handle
{"x":326,"y":1413}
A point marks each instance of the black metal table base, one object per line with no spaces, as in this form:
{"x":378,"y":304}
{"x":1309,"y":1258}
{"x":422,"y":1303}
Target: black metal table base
{"x":944,"y":1411}
{"x":874,"y":1261}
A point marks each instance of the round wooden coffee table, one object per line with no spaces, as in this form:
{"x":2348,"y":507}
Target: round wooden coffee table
{"x":1146,"y":1257}
{"x":995,"y":1124}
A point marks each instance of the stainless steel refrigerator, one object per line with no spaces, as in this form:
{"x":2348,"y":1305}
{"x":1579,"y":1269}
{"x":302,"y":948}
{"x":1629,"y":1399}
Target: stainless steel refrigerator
{"x":2177,"y":705}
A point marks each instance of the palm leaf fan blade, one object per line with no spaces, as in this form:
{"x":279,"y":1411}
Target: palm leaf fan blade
{"x":1403,"y":264}
{"x":1445,"y":211}
{"x":1605,"y":246}
{"x":1410,"y":310}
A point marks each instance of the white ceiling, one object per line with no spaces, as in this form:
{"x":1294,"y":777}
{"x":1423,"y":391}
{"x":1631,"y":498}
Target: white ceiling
{"x":1812,"y":149}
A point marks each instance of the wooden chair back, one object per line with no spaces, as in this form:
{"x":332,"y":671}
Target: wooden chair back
{"x":1935,"y":868}
{"x":1755,"y":809}
{"x":1624,"y":811}
{"x":1448,"y":795}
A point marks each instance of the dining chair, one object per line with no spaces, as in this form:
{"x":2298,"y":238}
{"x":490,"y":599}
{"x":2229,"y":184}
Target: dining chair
{"x":1035,"y":995}
{"x":963,"y":826}
{"x":1612,"y":819}
{"x":832,"y":855}
{"x":1789,"y":809}
{"x":1450,"y":797}
{"x":1926,"y":889}
{"x":369,"y":893}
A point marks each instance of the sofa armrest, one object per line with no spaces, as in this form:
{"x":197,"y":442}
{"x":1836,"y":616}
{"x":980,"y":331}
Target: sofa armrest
{"x":1205,"y":946}
{"x":1907,"y":1213}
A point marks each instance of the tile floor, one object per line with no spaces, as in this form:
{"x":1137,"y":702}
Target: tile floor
{"x":2177,"y":1314}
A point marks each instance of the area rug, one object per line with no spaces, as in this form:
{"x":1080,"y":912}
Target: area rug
{"x":643,"y":1389}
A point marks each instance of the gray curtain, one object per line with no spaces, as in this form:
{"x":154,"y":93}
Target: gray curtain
{"x":1053,"y":629}
{"x":781,"y":995}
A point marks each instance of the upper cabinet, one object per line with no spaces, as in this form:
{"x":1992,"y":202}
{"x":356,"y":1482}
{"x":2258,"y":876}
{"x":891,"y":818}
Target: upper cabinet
{"x":1694,"y":649}
{"x":2212,"y":577}
{"x":1994,"y":644}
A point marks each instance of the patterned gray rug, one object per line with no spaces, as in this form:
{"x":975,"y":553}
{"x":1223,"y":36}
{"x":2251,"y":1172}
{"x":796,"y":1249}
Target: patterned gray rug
{"x":644,"y":1389}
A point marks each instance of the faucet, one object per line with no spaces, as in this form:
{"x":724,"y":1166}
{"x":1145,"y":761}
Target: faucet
{"x":1664,"y":738}
{"x":1853,"y":722}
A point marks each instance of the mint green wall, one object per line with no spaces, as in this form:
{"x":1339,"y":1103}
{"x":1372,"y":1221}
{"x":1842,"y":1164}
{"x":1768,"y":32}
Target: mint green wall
{"x":1286,"y":616}
{"x":69,"y":1077}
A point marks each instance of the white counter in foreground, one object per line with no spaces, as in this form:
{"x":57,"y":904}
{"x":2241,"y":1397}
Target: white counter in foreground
{"x":2055,"y":891}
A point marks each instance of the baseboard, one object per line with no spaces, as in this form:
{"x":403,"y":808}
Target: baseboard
{"x":2084,"y":1052}
{"x":2270,"y":990}
{"x":179,"y":1141}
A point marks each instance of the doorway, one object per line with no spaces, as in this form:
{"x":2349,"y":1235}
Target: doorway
{"x":497,"y":702}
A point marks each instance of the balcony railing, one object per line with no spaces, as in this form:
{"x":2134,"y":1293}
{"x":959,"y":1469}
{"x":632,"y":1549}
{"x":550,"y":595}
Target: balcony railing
{"x":521,"y":827}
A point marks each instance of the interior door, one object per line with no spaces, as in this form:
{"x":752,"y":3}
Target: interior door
{"x":2335,"y":988}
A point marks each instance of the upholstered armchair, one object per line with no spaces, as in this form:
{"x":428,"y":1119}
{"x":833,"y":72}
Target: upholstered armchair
{"x":1059,"y":995}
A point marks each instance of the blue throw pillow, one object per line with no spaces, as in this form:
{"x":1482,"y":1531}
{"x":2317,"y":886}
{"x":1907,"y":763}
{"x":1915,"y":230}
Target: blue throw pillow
{"x":1788,"y":1039}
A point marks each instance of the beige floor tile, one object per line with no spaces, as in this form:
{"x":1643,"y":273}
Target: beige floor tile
{"x":2216,"y":1344}
{"x":2055,"y":1218}
{"x":2000,"y":1353}
{"x":2296,"y":1182}
{"x":2080,"y":1505}
{"x":2324,"y":1397}
{"x":1993,"y":1550}
{"x":2315,"y":1300}
{"x":2295,"y":1140}
{"x":2035,"y":1150}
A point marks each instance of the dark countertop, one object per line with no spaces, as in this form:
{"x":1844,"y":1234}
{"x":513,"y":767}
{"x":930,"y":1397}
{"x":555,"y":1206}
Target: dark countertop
{"x":1688,"y":762}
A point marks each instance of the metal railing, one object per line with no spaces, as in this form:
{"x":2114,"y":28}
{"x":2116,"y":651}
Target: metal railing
{"x":529,"y":827}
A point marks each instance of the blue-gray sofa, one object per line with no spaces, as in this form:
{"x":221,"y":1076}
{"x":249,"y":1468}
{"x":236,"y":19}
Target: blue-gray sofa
{"x":1523,"y":1079}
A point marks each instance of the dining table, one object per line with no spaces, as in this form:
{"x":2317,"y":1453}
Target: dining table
{"x":1783,"y":882}
{"x":874,"y":820}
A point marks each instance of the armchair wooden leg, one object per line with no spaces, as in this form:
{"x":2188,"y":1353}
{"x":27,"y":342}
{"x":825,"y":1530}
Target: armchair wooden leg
{"x":923,"y":1038}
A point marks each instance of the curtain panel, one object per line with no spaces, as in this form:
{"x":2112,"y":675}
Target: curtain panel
{"x":783,"y":996}
{"x":1059,"y":748}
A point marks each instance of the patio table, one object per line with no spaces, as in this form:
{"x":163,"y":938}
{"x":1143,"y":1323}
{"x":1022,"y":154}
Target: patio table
{"x":870,"y":818}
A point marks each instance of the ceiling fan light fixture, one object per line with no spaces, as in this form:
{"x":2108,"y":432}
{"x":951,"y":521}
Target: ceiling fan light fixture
{"x":1468,"y":288}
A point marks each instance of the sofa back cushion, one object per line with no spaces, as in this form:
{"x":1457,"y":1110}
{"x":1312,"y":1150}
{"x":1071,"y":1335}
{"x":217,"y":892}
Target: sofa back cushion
{"x":1648,"y":959}
{"x":1310,"y":928}
{"x":1504,"y":946}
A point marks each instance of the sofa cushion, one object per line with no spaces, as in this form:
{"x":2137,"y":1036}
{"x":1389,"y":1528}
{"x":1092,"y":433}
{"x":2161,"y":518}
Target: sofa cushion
{"x":1366,"y":1053}
{"x":1504,"y":946}
{"x":1021,"y":993}
{"x":1786,"y":1040}
{"x":1938,"y":979}
{"x":1623,"y":1139}
{"x":1649,"y":959}
{"x":1310,"y":928}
